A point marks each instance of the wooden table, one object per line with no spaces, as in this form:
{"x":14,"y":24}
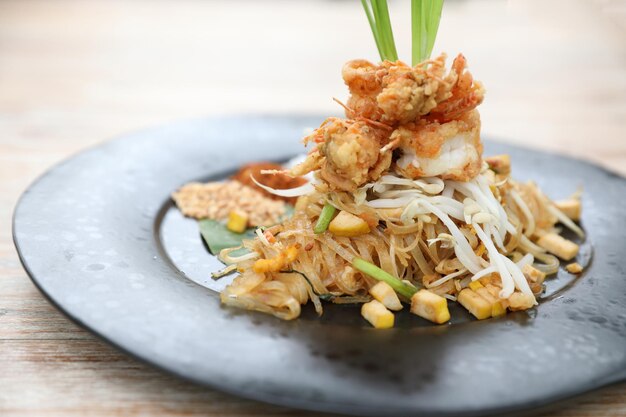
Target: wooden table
{"x":74,"y":73}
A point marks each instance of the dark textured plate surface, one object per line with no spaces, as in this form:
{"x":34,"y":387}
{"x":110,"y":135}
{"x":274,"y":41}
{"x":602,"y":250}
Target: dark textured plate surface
{"x":99,"y":237}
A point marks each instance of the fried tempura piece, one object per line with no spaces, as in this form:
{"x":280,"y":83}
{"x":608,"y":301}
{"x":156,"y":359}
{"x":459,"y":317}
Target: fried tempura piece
{"x":348,"y":153}
{"x":396,"y":93}
{"x":450,"y":150}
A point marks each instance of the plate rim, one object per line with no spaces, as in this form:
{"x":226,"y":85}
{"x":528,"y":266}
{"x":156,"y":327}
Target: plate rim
{"x":283,"y":401}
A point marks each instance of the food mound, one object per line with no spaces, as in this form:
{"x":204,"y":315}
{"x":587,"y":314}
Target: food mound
{"x":403,"y":208}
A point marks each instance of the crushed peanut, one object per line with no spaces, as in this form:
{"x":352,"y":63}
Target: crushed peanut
{"x":574,"y":268}
{"x":215,"y":200}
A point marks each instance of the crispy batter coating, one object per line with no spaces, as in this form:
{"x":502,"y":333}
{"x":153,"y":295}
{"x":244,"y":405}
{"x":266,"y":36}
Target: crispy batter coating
{"x":431,"y":112}
{"x":396,"y":93}
{"x":348,"y":153}
{"x":465,"y":94}
{"x":451,"y":150}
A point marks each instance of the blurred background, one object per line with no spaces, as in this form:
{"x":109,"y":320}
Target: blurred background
{"x":75,"y":73}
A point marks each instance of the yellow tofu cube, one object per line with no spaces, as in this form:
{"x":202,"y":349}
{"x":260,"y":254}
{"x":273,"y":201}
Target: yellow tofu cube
{"x":493,"y":290}
{"x":430,"y":306}
{"x":571,"y":207}
{"x":237,"y":221}
{"x":534,"y":277}
{"x":519,"y":301}
{"x":474,"y":285}
{"x":561,"y":247}
{"x":574,"y":268}
{"x":497,"y":309}
{"x":348,"y":225}
{"x":474,"y":303}
{"x":378,"y":316}
{"x":386,"y":295}
{"x":484,"y":292}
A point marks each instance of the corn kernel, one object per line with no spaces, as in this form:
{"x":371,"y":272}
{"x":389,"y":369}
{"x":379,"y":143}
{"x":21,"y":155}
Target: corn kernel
{"x":430,"y":306}
{"x":386,"y":295}
{"x":237,"y":221}
{"x":378,"y":316}
{"x":561,"y":247}
{"x":475,"y":304}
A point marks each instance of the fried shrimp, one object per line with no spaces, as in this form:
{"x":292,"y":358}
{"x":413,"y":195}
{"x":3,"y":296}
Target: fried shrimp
{"x":411,"y":92}
{"x":450,"y":150}
{"x":396,"y":93}
{"x":362,"y":77}
{"x":348,"y":153}
{"x":465,"y":94}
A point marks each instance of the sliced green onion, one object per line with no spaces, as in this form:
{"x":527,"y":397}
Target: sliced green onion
{"x":325,"y":217}
{"x":375,"y":272}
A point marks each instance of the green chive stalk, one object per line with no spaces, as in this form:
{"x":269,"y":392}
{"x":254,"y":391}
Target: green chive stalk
{"x":377,"y":13}
{"x":327,"y":214}
{"x":375,"y":272}
{"x":425,"y":17}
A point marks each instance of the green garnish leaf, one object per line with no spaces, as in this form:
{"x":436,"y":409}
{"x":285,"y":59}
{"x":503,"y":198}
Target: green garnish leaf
{"x":375,"y":272}
{"x":218,"y":237}
{"x":425,"y":17}
{"x":325,"y":217}
{"x":377,"y":13}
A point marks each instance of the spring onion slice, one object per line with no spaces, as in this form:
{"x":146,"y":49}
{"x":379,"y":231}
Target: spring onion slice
{"x":325,"y":217}
{"x":375,"y":272}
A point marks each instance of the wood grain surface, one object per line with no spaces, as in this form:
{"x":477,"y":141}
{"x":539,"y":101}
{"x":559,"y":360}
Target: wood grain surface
{"x":74,"y":73}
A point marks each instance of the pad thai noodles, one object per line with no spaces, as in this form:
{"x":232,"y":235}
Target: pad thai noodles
{"x":404,"y":208}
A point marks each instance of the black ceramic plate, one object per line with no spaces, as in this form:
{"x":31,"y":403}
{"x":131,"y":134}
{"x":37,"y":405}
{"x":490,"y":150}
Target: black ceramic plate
{"x":99,"y":236}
